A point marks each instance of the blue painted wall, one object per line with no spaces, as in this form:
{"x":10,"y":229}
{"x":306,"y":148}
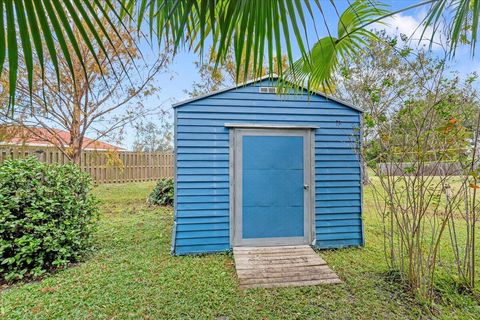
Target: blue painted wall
{"x":202,"y":158}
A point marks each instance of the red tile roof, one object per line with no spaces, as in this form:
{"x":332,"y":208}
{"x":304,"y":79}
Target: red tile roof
{"x":43,"y":137}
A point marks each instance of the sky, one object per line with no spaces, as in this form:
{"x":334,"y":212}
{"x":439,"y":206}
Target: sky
{"x":182,"y":73}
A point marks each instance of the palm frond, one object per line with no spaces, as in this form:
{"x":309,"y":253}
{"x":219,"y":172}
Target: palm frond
{"x":462,"y":22}
{"x":31,"y":28}
{"x":257,"y":30}
{"x":316,"y":70}
{"x":250,"y":27}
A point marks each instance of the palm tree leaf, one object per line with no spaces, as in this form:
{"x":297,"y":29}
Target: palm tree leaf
{"x":297,"y":9}
{"x":142,"y":11}
{"x":462,"y":19}
{"x":26,"y":45}
{"x":64,"y":23}
{"x":93,"y":30}
{"x":317,"y":70}
{"x":49,"y":25}
{"x":269,"y":36}
{"x":12,"y":50}
{"x":60,"y":37}
{"x":112,"y":25}
{"x":81,"y":29}
{"x":33,"y":25}
{"x":276,"y":32}
{"x":3,"y":45}
{"x":248,"y":47}
{"x":246,"y":25}
{"x":475,"y":24}
{"x":47,"y":35}
{"x":435,"y":14}
{"x":459,"y":20}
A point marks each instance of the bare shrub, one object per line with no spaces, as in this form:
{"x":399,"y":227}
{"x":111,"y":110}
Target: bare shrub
{"x":420,"y":202}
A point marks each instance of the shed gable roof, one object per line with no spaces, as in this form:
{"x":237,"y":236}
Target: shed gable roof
{"x":346,"y":104}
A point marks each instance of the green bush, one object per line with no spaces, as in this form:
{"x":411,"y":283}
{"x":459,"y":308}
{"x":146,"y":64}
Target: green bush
{"x":162,"y":194}
{"x":47,"y":217}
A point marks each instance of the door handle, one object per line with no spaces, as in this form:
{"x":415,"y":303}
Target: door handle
{"x":306,"y":186}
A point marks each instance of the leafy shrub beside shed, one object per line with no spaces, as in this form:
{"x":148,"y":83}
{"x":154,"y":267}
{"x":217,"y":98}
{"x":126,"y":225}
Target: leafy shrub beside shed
{"x":47,"y":217}
{"x":162,"y":194}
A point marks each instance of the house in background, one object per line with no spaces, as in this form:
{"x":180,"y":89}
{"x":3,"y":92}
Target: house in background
{"x":255,"y":168}
{"x":51,"y":137}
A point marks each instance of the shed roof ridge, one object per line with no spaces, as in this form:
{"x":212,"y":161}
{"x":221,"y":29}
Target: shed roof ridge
{"x":272,"y":77}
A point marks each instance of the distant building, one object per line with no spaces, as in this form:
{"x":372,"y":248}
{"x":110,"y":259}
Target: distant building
{"x":42,"y":137}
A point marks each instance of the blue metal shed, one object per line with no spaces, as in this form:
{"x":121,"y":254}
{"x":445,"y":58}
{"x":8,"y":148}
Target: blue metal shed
{"x":255,"y":168}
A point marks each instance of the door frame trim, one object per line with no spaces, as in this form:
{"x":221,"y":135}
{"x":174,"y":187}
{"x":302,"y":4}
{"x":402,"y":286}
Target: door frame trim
{"x":235,"y":190}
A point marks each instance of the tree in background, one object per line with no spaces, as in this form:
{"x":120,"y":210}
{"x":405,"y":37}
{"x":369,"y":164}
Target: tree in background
{"x":154,"y":136}
{"x":103,"y":95}
{"x":452,"y":105}
{"x":389,"y":73}
{"x":213,"y":78}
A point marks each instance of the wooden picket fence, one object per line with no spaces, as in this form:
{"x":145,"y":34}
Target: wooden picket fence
{"x":103,"y":166}
{"x":426,"y":169}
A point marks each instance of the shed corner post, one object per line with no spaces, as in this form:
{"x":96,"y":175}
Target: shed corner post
{"x":175,"y":182}
{"x":313,"y":222}
{"x":231,"y":185}
{"x":362,"y":167}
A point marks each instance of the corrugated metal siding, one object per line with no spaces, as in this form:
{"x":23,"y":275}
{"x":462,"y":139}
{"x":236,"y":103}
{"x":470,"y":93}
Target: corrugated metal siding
{"x":202,"y":147}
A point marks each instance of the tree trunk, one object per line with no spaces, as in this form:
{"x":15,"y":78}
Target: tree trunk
{"x":76,"y":155}
{"x":365,"y":176}
{"x":75,"y":131}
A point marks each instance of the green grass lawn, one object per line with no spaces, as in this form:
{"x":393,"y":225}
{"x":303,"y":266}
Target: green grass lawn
{"x":132,"y":275}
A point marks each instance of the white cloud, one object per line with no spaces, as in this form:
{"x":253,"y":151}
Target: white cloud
{"x":411,"y":26}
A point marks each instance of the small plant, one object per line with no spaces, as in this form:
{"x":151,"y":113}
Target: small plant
{"x":47,"y":217}
{"x":162,"y":194}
